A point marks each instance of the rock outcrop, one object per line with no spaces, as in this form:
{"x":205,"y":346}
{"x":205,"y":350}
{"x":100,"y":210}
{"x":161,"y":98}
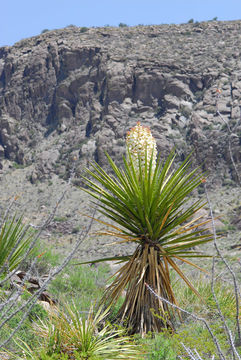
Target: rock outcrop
{"x":70,"y":94}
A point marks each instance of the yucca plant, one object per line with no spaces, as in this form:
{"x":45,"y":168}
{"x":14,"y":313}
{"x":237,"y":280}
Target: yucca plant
{"x":68,"y":335}
{"x":149,"y":204}
{"x":15,"y":239}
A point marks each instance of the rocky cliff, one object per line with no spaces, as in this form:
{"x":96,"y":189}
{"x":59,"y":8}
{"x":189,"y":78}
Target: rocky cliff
{"x":69,"y":95}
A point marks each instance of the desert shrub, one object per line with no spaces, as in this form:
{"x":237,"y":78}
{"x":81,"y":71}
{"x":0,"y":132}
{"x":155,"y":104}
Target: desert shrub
{"x":122,"y":25}
{"x":83,"y":29}
{"x":158,"y":347}
{"x":70,"y":335}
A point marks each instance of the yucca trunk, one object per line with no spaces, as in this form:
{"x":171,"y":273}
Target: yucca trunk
{"x":142,"y":311}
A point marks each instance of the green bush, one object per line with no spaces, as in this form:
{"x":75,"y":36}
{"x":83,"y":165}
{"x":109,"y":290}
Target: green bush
{"x":122,"y":25}
{"x":83,"y":29}
{"x":158,"y":347}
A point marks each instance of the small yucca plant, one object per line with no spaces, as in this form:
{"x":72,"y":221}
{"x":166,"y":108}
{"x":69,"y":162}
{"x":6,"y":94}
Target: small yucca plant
{"x":66,"y":334}
{"x":148,"y":203}
{"x":15,"y":239}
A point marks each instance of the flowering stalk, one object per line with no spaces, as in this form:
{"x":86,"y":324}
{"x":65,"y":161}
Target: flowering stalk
{"x":141,"y":145}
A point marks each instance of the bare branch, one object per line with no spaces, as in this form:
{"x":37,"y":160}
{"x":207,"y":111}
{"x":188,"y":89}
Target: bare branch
{"x":236,"y":288}
{"x":215,"y":340}
{"x":229,"y":139}
{"x":34,"y":298}
{"x":7,"y":309}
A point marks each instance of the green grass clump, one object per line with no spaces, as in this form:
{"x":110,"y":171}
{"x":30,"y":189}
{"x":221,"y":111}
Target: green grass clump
{"x":193,"y":333}
{"x":195,"y":336}
{"x":158,"y":347}
{"x":83,"y":284}
{"x":207,"y":308}
{"x":60,"y":219}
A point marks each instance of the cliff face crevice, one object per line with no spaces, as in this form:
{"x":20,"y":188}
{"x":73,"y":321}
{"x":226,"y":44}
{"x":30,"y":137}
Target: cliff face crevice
{"x":68,"y":95}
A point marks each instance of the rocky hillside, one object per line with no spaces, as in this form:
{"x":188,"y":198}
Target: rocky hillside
{"x":68,"y":95}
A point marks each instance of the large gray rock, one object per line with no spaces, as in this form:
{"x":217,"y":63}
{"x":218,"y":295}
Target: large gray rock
{"x":73,"y":95}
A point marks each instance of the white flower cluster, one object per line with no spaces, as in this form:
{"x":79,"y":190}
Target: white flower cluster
{"x":139,"y":142}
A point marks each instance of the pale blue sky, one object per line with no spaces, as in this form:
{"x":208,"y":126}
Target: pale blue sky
{"x":24,"y":18}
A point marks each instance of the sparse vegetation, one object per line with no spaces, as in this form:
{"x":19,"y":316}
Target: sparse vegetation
{"x":60,"y":219}
{"x":18,"y":166}
{"x":185,"y":111}
{"x":123,"y":25}
{"x":83,"y":29}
